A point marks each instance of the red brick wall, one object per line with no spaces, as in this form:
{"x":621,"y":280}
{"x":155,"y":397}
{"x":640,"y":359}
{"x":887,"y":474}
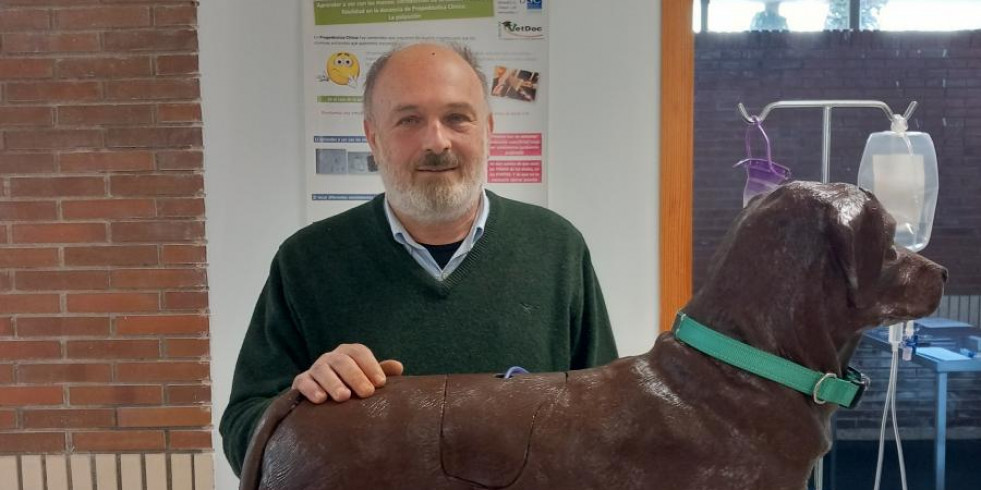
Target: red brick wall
{"x":103,"y":288}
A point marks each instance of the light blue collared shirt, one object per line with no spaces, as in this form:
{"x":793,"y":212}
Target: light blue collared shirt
{"x":423,"y":257}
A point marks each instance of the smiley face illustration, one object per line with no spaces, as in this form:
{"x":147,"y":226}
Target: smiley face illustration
{"x":343,"y":69}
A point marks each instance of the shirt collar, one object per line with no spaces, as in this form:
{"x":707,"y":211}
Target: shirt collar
{"x":402,"y":236}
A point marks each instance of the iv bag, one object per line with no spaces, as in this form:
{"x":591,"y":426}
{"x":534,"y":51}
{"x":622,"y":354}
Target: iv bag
{"x":900,"y":168}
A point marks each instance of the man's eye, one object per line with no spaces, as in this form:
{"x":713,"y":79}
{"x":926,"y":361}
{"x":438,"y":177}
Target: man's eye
{"x":409,"y":122}
{"x":457,"y":119}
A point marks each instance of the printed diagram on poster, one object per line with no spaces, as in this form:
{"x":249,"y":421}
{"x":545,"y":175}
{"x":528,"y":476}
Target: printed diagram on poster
{"x":343,"y":38}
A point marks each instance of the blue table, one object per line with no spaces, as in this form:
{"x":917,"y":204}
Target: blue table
{"x":947,"y":332}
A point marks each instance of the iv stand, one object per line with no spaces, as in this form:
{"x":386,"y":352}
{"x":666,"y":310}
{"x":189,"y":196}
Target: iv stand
{"x":826,"y":105}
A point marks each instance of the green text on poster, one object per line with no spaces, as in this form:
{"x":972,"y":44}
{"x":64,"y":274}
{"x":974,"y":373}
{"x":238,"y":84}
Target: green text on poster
{"x":335,"y":12}
{"x":329,"y":99}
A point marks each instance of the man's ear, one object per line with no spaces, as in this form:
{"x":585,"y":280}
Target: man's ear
{"x":490,"y":123}
{"x":370,"y":134}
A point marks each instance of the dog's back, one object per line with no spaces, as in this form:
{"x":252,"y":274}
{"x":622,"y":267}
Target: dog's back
{"x":460,"y":431}
{"x":589,"y":429}
{"x":674,"y":419}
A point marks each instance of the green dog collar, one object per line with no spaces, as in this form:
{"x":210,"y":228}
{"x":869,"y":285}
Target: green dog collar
{"x":822,"y":387}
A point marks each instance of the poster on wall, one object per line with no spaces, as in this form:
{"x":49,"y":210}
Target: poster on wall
{"x":341,"y":40}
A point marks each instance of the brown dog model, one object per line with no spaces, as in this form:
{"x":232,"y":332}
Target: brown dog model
{"x":801,"y":273}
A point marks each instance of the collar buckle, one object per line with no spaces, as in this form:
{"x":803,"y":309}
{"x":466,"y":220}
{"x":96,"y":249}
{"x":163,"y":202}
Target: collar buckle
{"x":859,"y":379}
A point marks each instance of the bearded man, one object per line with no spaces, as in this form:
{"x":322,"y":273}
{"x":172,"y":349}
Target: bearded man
{"x":436,"y":273}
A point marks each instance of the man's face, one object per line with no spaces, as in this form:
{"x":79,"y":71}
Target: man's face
{"x":429,"y":131}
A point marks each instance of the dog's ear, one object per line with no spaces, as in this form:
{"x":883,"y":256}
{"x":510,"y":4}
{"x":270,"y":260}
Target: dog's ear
{"x":858,"y":236}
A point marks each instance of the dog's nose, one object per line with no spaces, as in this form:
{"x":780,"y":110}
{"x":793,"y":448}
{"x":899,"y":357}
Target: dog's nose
{"x":943,"y":273}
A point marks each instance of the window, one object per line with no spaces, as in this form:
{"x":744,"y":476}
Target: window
{"x":760,"y":15}
{"x":818,"y":15}
{"x":928,"y":15}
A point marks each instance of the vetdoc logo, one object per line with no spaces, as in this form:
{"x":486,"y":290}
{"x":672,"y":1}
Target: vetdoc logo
{"x":514,"y":30}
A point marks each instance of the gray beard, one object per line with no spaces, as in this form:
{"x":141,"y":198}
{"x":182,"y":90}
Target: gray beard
{"x":435,"y":202}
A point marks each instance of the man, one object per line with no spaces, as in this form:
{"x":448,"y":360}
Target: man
{"x":435,"y":273}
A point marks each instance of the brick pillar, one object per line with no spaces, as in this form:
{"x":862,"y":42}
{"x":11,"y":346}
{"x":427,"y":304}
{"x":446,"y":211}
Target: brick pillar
{"x":103,"y":289}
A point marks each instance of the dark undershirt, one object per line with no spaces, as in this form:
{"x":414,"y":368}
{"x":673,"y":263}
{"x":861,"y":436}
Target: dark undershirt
{"x":442,"y":253}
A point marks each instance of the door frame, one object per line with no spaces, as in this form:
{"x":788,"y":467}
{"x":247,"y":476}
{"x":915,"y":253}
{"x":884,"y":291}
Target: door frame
{"x":676,"y":157}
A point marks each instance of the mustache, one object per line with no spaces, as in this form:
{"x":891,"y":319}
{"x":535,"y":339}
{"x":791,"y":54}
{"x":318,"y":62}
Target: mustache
{"x":437,"y":161}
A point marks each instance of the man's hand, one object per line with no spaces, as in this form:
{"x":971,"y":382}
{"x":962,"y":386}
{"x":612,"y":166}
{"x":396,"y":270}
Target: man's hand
{"x":349,"y":367}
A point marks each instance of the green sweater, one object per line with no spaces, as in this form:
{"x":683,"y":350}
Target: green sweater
{"x":526,"y":295}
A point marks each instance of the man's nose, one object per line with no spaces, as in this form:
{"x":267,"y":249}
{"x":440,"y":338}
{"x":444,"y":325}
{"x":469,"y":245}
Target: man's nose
{"x":436,"y":139}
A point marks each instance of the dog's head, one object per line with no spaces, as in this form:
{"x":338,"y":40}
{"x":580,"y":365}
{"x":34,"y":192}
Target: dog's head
{"x":819,"y":251}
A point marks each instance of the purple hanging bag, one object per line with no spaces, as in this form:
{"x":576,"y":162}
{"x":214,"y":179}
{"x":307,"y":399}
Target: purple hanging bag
{"x":762,"y":175}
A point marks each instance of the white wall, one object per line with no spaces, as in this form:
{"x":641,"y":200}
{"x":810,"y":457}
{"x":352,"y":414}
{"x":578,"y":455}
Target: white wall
{"x":603,"y":134}
{"x":603,"y":150}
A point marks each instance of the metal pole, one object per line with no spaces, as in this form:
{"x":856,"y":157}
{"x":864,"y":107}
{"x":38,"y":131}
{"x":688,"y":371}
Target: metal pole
{"x":801,"y":104}
{"x":826,"y":146}
{"x":825,"y":178}
{"x":940,"y":436}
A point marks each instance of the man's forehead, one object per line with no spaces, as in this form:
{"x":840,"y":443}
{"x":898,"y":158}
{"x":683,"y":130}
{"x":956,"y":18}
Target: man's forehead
{"x":423,"y":53}
{"x":432,"y":61}
{"x":417,"y":77}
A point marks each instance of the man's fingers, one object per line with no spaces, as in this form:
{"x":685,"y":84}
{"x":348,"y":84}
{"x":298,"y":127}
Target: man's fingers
{"x":308,"y":387}
{"x":392,"y":367}
{"x":367,"y":362}
{"x":325,"y":376}
{"x":349,"y":367}
{"x":351,"y":373}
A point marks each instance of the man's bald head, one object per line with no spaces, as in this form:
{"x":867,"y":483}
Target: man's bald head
{"x":378,"y":67}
